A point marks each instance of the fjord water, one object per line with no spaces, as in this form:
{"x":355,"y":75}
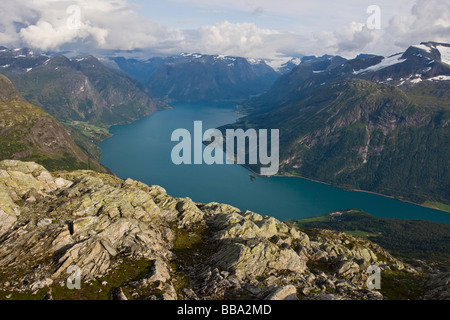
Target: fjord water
{"x":142,"y":151}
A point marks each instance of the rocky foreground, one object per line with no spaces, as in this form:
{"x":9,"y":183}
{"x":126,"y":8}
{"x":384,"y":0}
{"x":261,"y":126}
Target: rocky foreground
{"x":133,"y":241}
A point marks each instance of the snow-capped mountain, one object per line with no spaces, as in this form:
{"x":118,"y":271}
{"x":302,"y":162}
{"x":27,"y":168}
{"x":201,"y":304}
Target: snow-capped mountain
{"x":20,"y":59}
{"x":428,"y":61}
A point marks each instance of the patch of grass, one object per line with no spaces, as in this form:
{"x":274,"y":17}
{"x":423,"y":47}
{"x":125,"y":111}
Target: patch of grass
{"x":189,"y":245}
{"x":191,"y":250}
{"x":360,"y":233}
{"x":303,"y":223}
{"x":318,"y":265}
{"x":128,"y":270}
{"x":14,"y":278}
{"x":401,"y":285}
{"x":437,"y":205}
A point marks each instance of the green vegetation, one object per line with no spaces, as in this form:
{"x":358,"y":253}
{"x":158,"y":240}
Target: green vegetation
{"x":85,"y":90}
{"x":100,"y":288}
{"x":190,"y":246}
{"x":10,"y":147}
{"x":410,"y":239}
{"x":65,"y":162}
{"x":88,"y":136}
{"x":92,"y":132}
{"x":190,"y":249}
{"x":437,"y":205}
{"x":433,"y":94}
{"x":306,"y":223}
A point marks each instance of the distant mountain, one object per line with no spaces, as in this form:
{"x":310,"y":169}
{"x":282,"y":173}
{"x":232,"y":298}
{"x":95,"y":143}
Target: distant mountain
{"x":78,"y":89}
{"x":197,"y":77}
{"x":366,"y":123}
{"x":28,"y":133}
{"x":141,"y":70}
{"x":289,"y":65}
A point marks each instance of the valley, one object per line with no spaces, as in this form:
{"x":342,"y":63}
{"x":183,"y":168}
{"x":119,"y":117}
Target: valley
{"x":88,"y":177}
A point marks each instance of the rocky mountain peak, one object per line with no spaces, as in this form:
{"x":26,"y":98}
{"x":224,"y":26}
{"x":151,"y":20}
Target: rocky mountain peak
{"x":7,"y":90}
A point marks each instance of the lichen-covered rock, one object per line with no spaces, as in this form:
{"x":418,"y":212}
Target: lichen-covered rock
{"x":283,"y":293}
{"x":8,"y":212}
{"x":189,"y":213}
{"x":258,"y":259}
{"x":160,"y":272}
{"x":438,"y":287}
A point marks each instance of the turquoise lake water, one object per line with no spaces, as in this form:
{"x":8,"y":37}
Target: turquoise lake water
{"x":142,"y":151}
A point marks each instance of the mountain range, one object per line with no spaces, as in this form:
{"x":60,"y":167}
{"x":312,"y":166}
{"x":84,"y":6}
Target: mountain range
{"x":200,"y":77}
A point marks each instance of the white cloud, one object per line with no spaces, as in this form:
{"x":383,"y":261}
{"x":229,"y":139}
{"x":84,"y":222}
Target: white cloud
{"x":330,"y":27}
{"x":239,"y":39}
{"x":104,"y":24}
{"x":427,"y":20}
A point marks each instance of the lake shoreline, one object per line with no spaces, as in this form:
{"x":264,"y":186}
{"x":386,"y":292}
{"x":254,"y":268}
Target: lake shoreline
{"x":345,"y":189}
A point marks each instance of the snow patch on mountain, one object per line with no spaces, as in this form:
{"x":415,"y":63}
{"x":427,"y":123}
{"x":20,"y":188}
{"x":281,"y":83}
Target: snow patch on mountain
{"x":445,"y":54}
{"x":280,"y":63}
{"x":386,"y":62}
{"x":440,"y":78}
{"x":192,"y":55}
{"x":254,"y":61}
{"x":423,"y":47}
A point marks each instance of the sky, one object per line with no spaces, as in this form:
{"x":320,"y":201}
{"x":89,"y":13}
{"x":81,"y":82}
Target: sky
{"x":269,"y":29}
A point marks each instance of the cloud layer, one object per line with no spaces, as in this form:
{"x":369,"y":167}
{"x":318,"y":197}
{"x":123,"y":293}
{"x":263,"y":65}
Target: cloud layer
{"x":48,"y":25}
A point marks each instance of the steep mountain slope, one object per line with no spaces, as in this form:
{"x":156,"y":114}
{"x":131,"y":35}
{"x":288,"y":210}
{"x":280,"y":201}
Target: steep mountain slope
{"x":133,"y":241}
{"x":195,"y":77}
{"x":27,"y":132}
{"x":359,"y":134}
